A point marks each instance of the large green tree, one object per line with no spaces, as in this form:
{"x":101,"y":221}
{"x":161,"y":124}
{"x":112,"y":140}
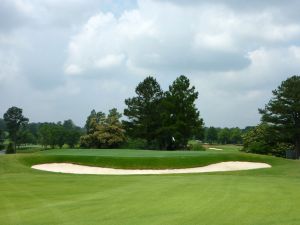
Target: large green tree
{"x":282,"y":112}
{"x":51,"y":134}
{"x":14,"y":120}
{"x":224,"y":136}
{"x":94,"y":117}
{"x":106,"y":132}
{"x":180,"y":117}
{"x":211,"y":135}
{"x":143,"y":111}
{"x":71,"y":133}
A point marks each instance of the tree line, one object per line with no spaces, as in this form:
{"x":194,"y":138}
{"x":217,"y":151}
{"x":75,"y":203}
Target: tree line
{"x":17,"y":128}
{"x":154,"y":119}
{"x":217,"y":135}
{"x":157,"y":119}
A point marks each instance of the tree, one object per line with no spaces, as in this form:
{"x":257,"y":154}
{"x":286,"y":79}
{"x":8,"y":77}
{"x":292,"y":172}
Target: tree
{"x":236,"y":136}
{"x":107,"y":132}
{"x":211,"y":135}
{"x":224,"y":136}
{"x":143,"y":111}
{"x":71,"y":133}
{"x":94,"y":117}
{"x":46,"y":135}
{"x":180,"y":117}
{"x":52,"y":134}
{"x":25,"y":137}
{"x":2,"y":125}
{"x":282,"y":112}
{"x":14,"y":120}
{"x":111,"y":134}
{"x":263,"y":139}
{"x":2,"y":136}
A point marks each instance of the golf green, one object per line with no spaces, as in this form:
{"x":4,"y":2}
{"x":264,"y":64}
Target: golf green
{"x":262,"y":196}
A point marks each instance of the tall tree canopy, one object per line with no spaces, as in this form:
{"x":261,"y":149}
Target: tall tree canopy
{"x":165,"y":120}
{"x":94,"y":117}
{"x":14,"y":120}
{"x":180,"y":117}
{"x":282,"y":112}
{"x":143,"y":110}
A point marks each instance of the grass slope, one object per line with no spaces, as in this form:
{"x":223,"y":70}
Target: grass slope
{"x":265,"y":196}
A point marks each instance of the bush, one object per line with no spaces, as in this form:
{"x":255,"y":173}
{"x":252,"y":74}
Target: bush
{"x":278,"y":149}
{"x":2,"y":146}
{"x":135,"y":143}
{"x":258,"y":148}
{"x":196,"y":147}
{"x":10,"y":149}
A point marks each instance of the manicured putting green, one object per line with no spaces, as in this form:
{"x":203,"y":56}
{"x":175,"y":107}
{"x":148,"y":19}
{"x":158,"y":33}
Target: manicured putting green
{"x":264,"y":196}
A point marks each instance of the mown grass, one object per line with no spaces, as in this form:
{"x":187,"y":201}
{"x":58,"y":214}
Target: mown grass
{"x":140,"y":159}
{"x":263,"y":196}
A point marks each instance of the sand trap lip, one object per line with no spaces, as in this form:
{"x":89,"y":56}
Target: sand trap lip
{"x":79,"y":169}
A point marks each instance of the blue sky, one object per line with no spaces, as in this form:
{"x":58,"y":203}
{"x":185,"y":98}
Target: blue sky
{"x":61,"y":59}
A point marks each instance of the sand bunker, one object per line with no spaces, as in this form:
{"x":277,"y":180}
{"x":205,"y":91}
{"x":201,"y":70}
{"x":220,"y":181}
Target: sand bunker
{"x":217,"y":149}
{"x":79,"y":169}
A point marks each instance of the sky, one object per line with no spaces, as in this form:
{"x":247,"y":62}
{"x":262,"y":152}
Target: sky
{"x":61,"y":59}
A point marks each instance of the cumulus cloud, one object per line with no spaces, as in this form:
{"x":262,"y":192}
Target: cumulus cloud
{"x":172,"y":38}
{"x":72,"y":56}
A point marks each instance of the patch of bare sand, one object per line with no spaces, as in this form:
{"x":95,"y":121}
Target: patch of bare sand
{"x":217,"y":149}
{"x":80,"y":169}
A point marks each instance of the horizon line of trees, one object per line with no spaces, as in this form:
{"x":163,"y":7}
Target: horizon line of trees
{"x":47,"y":134}
{"x":157,"y":119}
{"x":225,"y":135}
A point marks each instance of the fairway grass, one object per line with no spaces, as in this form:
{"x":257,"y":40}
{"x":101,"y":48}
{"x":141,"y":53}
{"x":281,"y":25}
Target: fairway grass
{"x":264,"y":196}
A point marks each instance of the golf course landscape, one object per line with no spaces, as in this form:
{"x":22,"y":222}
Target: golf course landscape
{"x":147,"y":112}
{"x":260,"y":196}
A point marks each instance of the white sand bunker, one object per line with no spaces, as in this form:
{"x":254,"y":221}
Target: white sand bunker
{"x":79,"y":169}
{"x":217,"y":149}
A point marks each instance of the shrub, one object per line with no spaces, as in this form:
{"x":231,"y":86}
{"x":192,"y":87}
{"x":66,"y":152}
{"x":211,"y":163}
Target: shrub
{"x":196,"y":147}
{"x":135,"y":143}
{"x":278,"y":149}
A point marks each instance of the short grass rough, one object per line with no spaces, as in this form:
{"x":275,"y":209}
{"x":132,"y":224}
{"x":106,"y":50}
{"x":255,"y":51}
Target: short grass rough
{"x":263,"y":196}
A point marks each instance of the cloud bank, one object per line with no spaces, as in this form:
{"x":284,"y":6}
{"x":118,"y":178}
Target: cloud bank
{"x":59,"y":60}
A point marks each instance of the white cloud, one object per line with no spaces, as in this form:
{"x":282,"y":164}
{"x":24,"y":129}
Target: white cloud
{"x":109,"y":61}
{"x":235,"y":96}
{"x":73,"y":69}
{"x":166,"y":37}
{"x":9,"y":68}
{"x":71,"y":56}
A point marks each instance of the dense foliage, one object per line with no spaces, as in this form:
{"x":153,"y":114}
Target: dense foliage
{"x":103,"y":131}
{"x":143,"y":112}
{"x":279,"y":132}
{"x":216,"y":135}
{"x":58,"y":134}
{"x":282,"y":112}
{"x":262,"y":139}
{"x":2,"y":138}
{"x":14,"y":121}
{"x":166,"y":120}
